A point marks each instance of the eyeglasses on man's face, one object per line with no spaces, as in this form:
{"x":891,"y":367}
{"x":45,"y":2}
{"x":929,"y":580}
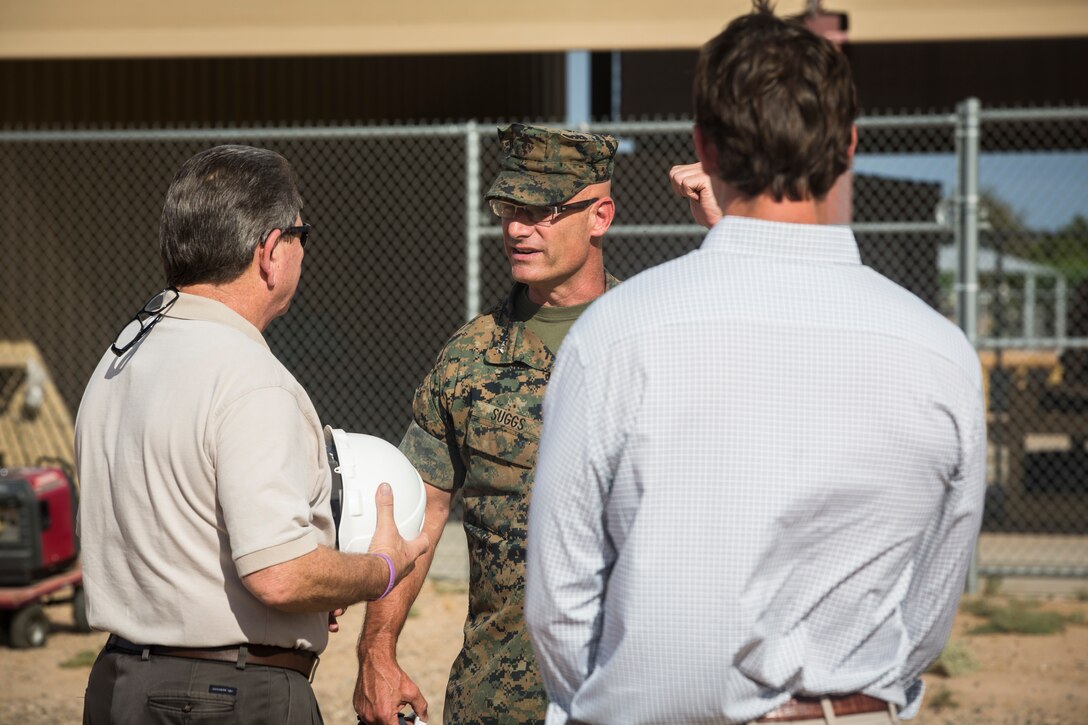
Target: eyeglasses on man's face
{"x":302,"y":232}
{"x":536,"y":215}
{"x":142,"y":322}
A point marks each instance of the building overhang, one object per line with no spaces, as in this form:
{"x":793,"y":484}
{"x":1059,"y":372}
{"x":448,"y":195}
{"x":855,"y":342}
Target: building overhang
{"x":43,"y":29}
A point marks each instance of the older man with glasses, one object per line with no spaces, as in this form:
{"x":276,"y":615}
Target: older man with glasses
{"x":205,"y":520}
{"x":476,"y":424}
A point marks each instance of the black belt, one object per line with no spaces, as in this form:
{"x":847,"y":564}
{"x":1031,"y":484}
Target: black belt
{"x":809,"y":708}
{"x":299,"y":660}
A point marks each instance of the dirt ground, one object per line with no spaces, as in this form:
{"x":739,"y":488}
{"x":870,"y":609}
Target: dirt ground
{"x":1022,"y":680}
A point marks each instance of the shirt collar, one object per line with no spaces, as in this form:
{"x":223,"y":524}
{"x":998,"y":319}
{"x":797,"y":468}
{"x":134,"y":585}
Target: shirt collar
{"x":195,"y":307}
{"x":514,"y":342}
{"x":818,"y":243}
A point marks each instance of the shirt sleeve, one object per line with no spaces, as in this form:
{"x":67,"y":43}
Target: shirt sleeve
{"x":569,"y":551}
{"x":430,"y":442}
{"x":942,"y":566}
{"x":264,"y":453}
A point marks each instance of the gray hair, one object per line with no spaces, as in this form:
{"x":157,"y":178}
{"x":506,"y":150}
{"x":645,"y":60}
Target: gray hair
{"x":222,"y":203}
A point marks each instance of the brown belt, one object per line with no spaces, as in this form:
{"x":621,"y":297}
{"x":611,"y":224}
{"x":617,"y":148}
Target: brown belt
{"x":302,"y":661}
{"x":808,"y":708}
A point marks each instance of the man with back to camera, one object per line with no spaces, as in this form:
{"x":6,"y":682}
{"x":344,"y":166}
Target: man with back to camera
{"x":476,"y":423}
{"x":761,"y":472}
{"x":205,"y":519}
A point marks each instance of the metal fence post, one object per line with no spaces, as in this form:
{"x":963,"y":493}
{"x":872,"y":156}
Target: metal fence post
{"x":472,"y":220}
{"x":579,"y":88}
{"x":967,"y":153}
{"x":1061,"y":293}
{"x":967,"y":157}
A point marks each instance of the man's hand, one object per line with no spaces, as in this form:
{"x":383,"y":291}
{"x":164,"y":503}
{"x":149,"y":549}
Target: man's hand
{"x":692,"y":183}
{"x":382,"y":689}
{"x":387,"y":540}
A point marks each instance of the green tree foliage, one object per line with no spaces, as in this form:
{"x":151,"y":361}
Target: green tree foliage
{"x":997,"y":215}
{"x":1064,"y":250}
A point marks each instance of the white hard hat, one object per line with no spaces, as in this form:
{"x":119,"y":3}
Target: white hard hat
{"x":361,"y":462}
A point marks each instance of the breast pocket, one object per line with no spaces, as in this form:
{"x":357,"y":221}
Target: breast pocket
{"x":502,"y":448}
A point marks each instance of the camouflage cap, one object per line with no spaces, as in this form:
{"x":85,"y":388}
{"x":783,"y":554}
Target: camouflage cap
{"x":547,"y":166}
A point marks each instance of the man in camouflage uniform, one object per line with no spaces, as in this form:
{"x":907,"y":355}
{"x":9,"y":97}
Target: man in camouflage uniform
{"x":476,"y":424}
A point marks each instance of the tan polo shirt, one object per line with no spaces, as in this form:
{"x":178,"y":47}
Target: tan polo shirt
{"x":201,"y":460}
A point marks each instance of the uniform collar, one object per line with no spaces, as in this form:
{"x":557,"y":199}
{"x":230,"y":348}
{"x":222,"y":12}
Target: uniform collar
{"x":514,"y":342}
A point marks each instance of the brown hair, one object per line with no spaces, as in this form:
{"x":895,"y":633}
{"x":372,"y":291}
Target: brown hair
{"x":220,"y":206}
{"x":778,"y":102}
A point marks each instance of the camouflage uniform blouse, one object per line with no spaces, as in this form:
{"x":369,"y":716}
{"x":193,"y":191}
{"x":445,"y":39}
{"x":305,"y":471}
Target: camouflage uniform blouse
{"x":476,"y":427}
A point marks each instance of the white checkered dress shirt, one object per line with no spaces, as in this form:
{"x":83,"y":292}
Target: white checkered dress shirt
{"x":761,"y":474}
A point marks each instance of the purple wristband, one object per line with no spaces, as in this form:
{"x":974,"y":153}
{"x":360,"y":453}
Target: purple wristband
{"x":392,"y":575}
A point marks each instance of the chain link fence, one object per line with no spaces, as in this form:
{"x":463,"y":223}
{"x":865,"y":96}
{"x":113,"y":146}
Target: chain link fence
{"x":989,"y":227}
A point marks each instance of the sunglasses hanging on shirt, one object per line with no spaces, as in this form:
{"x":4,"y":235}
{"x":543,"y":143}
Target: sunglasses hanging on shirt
{"x":142,"y":322}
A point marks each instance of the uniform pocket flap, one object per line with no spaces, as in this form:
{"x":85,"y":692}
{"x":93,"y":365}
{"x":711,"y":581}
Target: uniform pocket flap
{"x":503,"y":434}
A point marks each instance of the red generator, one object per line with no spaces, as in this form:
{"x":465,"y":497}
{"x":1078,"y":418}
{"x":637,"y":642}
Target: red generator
{"x":37,"y":524}
{"x":38,"y":552}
